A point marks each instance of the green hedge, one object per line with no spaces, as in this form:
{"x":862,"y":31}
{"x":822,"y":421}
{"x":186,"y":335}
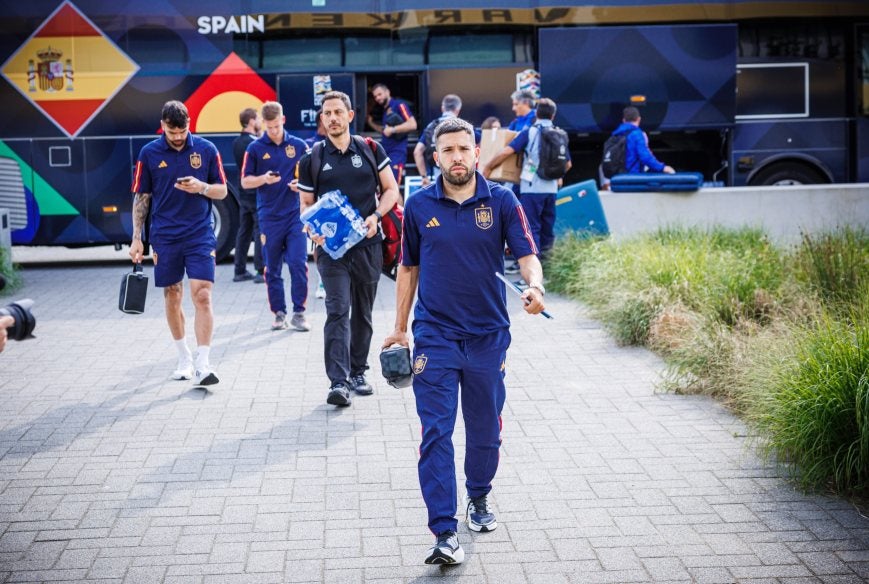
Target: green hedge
{"x":778,"y":334}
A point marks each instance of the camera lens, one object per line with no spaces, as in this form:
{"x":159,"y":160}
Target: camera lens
{"x":25,"y":322}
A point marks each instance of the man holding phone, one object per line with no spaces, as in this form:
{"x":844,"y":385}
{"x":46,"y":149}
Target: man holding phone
{"x":269,"y":167}
{"x":177,"y":176}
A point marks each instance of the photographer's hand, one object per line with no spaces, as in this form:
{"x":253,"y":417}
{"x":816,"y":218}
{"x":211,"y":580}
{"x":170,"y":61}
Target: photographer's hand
{"x":5,"y":322}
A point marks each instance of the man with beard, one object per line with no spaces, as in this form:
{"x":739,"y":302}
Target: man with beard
{"x":351,"y":280}
{"x":182,"y":173}
{"x":452,"y":245}
{"x":397,"y":121}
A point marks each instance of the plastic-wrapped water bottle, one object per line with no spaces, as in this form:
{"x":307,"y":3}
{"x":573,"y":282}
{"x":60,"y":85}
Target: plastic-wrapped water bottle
{"x":335,"y":218}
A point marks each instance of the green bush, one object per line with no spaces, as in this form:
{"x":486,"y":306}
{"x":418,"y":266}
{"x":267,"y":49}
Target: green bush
{"x":809,"y":399}
{"x":835,"y":265}
{"x":725,"y":274}
{"x":780,"y":335}
{"x":7,"y":270}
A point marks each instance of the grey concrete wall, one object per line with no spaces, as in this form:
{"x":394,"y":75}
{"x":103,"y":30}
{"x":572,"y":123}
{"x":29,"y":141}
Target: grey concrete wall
{"x":783,"y":212}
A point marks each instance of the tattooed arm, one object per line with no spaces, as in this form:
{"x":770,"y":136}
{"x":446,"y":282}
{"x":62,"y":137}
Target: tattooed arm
{"x":141,"y":204}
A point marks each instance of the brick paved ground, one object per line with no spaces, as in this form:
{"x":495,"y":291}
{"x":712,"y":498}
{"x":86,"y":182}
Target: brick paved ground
{"x":111,"y":473}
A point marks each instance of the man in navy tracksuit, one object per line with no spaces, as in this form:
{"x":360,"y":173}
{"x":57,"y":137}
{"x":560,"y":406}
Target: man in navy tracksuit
{"x":269,"y":166}
{"x":452,"y":245}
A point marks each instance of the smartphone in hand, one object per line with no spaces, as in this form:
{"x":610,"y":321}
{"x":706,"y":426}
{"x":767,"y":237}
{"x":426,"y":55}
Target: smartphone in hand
{"x":274,"y":173}
{"x":183,"y":180}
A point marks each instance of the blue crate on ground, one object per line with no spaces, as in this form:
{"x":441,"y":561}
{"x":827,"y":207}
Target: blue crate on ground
{"x":578,"y":208}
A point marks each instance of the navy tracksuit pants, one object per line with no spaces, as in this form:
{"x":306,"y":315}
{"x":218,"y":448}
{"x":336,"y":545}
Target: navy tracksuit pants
{"x":540,"y":211}
{"x":441,"y":366}
{"x":285,"y":242}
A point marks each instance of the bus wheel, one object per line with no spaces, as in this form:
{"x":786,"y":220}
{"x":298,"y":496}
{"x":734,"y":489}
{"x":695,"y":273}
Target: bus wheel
{"x":224,"y":212}
{"x":788,"y":173}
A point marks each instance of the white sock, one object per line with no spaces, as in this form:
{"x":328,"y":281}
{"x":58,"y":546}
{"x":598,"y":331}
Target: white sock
{"x":202,"y":356}
{"x":183,"y":349}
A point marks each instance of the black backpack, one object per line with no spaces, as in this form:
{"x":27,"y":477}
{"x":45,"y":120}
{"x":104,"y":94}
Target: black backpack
{"x":552,"y":153}
{"x":427,"y":138}
{"x":613,"y":162}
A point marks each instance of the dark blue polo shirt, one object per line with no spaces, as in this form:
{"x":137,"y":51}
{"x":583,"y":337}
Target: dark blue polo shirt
{"x":458,"y":249}
{"x":177,"y":215}
{"x":275,"y":202}
{"x":396,"y":148}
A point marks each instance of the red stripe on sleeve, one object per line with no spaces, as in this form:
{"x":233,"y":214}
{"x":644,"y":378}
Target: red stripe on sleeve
{"x":220,"y":169}
{"x":404,"y":111}
{"x":243,"y":165}
{"x":137,"y":177}
{"x":526,"y":228}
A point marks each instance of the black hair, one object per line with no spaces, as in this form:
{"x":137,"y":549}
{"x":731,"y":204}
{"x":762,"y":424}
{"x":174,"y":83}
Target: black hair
{"x":175,"y":114}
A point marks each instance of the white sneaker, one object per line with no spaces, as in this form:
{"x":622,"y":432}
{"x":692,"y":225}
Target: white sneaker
{"x":299,"y":322}
{"x":205,"y":376}
{"x":184,"y":369}
{"x":321,"y":291}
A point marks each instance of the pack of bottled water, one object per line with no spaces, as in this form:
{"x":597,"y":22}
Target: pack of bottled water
{"x":335,"y":218}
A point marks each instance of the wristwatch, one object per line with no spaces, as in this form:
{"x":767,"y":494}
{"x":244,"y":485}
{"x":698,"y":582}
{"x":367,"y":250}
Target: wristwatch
{"x":539,"y":288}
{"x":379,"y":215}
{"x":204,"y":191}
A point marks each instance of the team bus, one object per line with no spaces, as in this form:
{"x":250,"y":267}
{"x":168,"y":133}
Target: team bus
{"x":746,"y":92}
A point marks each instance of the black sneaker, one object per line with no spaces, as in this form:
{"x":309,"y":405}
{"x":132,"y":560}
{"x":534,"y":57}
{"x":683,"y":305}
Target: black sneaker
{"x":512,"y":268}
{"x":339,"y":395}
{"x":446,"y":550}
{"x":243,"y":277}
{"x":479,"y":516}
{"x":360,"y":385}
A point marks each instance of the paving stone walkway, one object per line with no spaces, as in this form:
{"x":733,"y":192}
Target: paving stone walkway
{"x":111,"y":473}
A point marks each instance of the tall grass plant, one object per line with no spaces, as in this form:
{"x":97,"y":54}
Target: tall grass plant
{"x":778,"y":334}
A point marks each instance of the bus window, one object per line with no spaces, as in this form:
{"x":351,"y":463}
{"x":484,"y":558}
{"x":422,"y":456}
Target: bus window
{"x":453,"y":49}
{"x":772,"y":90}
{"x":302,"y":53}
{"x":374,"y":51}
{"x":249,"y":51}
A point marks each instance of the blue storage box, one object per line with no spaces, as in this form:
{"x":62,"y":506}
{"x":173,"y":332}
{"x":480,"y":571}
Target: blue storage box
{"x":656,"y":181}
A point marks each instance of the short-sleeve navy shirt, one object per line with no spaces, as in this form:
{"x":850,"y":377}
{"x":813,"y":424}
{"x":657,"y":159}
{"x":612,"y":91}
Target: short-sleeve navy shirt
{"x":396,"y":148}
{"x":351,"y":173}
{"x":458,"y":249}
{"x":176,"y":215}
{"x":275,"y":202}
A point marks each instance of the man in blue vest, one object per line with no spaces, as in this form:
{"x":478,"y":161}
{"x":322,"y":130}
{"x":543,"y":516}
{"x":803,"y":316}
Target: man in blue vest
{"x":452,"y":246}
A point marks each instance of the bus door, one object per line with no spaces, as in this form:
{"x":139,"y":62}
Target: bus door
{"x":300,"y":95}
{"x":407,"y":85}
{"x":108,"y":175}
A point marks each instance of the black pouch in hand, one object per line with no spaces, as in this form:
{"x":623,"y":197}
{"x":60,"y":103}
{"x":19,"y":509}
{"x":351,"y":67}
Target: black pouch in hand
{"x":395,"y":364}
{"x":134,"y":290}
{"x":393,"y":119}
